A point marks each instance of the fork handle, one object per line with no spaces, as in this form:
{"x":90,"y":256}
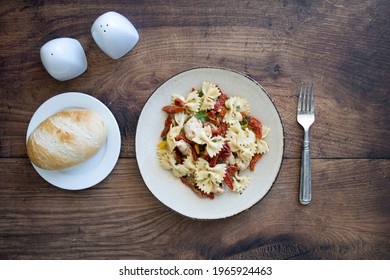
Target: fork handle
{"x":305,"y":183}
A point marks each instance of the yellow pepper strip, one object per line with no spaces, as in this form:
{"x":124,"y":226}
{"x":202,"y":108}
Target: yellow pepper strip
{"x":197,"y":150}
{"x":162,"y":144}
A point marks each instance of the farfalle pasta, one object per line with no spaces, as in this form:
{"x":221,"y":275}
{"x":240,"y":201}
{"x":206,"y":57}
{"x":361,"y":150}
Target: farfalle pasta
{"x":236,"y":107}
{"x":209,"y":138}
{"x":209,"y":94}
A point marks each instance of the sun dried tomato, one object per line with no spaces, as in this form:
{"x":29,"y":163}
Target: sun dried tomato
{"x":173,"y":109}
{"x":220,"y":102}
{"x":213,"y":161}
{"x":212,"y":117}
{"x":178,"y":102}
{"x":167,"y":125}
{"x":256,"y":126}
{"x":222,"y":112}
{"x":184,"y":138}
{"x":223,"y":154}
{"x":225,"y":151}
{"x":195,"y":188}
{"x":229,"y":181}
{"x":178,"y":156}
{"x":254,"y":159}
{"x":221,"y":130}
{"x":228,"y":177}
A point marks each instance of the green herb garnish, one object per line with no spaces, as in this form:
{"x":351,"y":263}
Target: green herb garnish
{"x":201,"y":115}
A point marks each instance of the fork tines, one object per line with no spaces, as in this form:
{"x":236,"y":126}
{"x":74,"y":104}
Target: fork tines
{"x":306,"y":97}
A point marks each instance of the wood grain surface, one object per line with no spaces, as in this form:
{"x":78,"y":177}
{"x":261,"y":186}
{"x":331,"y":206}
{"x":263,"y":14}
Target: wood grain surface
{"x":342,"y":46}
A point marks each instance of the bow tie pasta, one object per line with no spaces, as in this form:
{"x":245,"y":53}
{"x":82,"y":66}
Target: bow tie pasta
{"x":209,"y":138}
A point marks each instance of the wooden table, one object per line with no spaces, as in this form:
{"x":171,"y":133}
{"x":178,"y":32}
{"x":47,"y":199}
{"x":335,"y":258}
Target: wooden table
{"x":342,"y":46}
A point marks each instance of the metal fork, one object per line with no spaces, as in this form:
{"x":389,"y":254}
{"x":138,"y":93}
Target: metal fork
{"x":305,"y":118}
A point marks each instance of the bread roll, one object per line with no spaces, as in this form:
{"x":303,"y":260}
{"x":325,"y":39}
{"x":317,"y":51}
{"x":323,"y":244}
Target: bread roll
{"x":66,"y":139}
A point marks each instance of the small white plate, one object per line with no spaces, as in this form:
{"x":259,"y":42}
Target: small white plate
{"x":94,"y":170}
{"x":171,"y":191}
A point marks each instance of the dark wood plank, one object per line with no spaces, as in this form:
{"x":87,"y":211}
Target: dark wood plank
{"x":120,"y":218}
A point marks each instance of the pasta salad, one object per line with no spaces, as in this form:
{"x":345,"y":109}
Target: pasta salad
{"x":209,"y":138}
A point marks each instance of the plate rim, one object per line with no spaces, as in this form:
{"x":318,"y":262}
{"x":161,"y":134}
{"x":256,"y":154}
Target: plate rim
{"x":115,"y":133}
{"x":270,"y":99}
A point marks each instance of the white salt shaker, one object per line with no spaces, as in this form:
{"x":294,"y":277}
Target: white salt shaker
{"x":114,"y":34}
{"x":64,"y":58}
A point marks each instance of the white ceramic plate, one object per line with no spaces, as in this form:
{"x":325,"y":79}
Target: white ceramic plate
{"x":94,"y":170}
{"x":171,"y":191}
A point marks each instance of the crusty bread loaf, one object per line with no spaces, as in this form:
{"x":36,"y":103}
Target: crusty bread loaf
{"x":66,"y":139}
